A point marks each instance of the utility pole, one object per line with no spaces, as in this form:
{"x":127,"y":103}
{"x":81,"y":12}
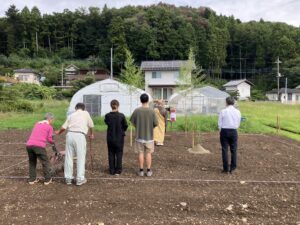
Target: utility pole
{"x":62,"y":75}
{"x":36,"y":42}
{"x":278,"y":77}
{"x":111,"y":63}
{"x":286,"y":95}
{"x":240,"y":63}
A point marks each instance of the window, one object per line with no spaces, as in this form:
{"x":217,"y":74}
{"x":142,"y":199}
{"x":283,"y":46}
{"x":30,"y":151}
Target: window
{"x":176,"y":75}
{"x":298,"y":98}
{"x":162,"y":93}
{"x":156,"y":74}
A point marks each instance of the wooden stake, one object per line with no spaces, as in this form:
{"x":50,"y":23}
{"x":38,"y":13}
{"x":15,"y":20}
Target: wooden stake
{"x":130,"y":135}
{"x":277,"y":125}
{"x":91,"y":155}
{"x":193,"y":136}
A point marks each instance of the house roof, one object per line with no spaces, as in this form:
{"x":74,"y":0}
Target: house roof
{"x":25,"y":70}
{"x":162,"y":65}
{"x":236,"y":82}
{"x":71,"y":65}
{"x":282,"y":91}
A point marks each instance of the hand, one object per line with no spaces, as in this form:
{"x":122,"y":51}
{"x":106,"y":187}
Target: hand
{"x":91,"y":136}
{"x":57,"y":132}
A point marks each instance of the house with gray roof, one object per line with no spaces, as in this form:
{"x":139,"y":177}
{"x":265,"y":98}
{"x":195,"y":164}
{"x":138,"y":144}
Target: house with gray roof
{"x":162,"y":77}
{"x":243,"y":87}
{"x":286,"y":95}
{"x":27,"y":76}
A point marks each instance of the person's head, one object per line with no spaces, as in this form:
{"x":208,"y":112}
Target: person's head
{"x":229,"y":101}
{"x":144,"y":98}
{"x":114,"y":104}
{"x":50,"y":117}
{"x":80,"y":106}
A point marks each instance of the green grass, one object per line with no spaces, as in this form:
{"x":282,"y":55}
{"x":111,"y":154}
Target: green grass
{"x":259,"y":118}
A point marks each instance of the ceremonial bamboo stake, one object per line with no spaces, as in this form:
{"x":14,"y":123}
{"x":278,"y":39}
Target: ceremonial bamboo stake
{"x":130,"y":135}
{"x":91,"y":154}
{"x":193,"y":136}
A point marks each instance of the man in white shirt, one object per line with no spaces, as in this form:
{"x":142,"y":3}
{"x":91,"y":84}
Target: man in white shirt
{"x":78,"y":124}
{"x":229,"y":122}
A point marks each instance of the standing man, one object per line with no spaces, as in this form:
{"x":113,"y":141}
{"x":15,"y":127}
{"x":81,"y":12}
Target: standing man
{"x":229,"y":122}
{"x":77,"y":124}
{"x":144,"y":121}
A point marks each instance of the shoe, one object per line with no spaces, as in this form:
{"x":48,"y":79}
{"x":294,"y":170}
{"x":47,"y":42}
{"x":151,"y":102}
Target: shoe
{"x":117,"y":174}
{"x":141,"y":173}
{"x":81,"y":182}
{"x":231,"y":171}
{"x":149,"y":173}
{"x":68,"y":181}
{"x":48,"y":182}
{"x":159,"y":144}
{"x":225,"y":171}
{"x":33,"y":182}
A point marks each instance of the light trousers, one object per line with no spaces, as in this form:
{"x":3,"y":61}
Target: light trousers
{"x":75,"y":146}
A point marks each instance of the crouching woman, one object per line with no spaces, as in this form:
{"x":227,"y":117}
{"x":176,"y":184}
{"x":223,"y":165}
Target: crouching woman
{"x":36,"y":148}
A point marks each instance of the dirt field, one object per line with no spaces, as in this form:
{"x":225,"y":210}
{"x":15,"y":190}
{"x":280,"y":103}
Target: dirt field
{"x":185,"y":188}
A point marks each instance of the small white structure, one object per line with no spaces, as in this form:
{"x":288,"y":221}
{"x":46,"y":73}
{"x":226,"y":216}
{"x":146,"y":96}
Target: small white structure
{"x":288,"y":95}
{"x":97,"y":97}
{"x":27,"y":76}
{"x":243,"y":87}
{"x":161,"y":77}
{"x":205,"y":100}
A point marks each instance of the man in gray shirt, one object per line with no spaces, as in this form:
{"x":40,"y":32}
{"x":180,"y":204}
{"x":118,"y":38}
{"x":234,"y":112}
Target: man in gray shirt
{"x":144,"y":121}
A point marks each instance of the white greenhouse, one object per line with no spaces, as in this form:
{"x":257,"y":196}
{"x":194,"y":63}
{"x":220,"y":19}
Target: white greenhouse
{"x":97,"y":97}
{"x":205,"y":100}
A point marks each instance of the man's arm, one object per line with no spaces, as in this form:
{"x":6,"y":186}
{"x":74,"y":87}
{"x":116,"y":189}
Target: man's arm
{"x":220,"y":120}
{"x":124,"y":123}
{"x":133,"y":119}
{"x":50,"y":136}
{"x":63,"y":128}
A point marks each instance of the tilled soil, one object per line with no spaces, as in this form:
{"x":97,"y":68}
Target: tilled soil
{"x":184,"y":189}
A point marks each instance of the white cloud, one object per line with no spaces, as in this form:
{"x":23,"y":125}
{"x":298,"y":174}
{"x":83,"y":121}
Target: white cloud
{"x":245,"y":10}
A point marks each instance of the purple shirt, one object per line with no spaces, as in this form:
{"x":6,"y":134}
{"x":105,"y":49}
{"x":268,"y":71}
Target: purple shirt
{"x":41,"y":134}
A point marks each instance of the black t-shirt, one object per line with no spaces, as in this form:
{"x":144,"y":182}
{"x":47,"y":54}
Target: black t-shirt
{"x":116,"y":127}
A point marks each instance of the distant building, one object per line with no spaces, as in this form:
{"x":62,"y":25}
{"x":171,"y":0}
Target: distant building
{"x":27,"y":76}
{"x":285,"y":95}
{"x":6,"y":81}
{"x":72,"y":73}
{"x":162,"y":77}
{"x":243,"y":87}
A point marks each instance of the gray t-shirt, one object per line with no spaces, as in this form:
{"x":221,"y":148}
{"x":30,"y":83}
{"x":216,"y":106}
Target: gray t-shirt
{"x":144,"y":120}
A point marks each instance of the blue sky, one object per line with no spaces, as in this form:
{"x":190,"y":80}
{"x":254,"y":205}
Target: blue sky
{"x":270,"y":10}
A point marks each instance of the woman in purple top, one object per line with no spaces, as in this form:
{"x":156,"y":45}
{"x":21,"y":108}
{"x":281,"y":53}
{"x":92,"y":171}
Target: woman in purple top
{"x":36,"y":148}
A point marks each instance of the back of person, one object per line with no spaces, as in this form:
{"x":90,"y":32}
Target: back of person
{"x":231,"y":117}
{"x":41,"y":134}
{"x":145,"y":121}
{"x":116,"y":127}
{"x":79,"y":121}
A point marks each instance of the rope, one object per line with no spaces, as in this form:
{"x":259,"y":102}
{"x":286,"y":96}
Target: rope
{"x":173,"y":180}
{"x":14,"y":165}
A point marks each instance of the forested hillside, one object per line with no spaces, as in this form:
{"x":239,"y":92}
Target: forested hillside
{"x":224,"y":46}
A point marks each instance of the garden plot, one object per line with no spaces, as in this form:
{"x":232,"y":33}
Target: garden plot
{"x":185,"y":188}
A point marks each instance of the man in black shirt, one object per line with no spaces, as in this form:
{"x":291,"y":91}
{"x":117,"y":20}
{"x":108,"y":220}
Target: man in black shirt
{"x":116,"y":128}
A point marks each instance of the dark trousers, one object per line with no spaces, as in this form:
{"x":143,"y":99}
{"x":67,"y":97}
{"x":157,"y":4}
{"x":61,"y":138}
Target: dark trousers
{"x":115,"y":155}
{"x":229,"y":137}
{"x":35,"y":153}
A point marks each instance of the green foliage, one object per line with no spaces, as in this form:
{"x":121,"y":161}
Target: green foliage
{"x":258,"y":95}
{"x":79,"y":84}
{"x":131,"y":74}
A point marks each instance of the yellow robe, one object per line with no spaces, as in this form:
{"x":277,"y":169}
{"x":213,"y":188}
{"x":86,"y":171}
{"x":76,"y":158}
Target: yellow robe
{"x":159,"y":131}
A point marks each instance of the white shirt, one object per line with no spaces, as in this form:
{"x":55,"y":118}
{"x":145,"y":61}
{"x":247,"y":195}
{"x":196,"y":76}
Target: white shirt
{"x":229,"y":118}
{"x":79,"y":121}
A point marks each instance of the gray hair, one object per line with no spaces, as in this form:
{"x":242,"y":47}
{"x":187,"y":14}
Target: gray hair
{"x":49,"y":116}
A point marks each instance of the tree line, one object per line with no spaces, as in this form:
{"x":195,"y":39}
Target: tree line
{"x":223,"y":46}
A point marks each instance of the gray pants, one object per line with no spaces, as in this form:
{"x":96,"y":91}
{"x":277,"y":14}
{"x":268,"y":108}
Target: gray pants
{"x":75,"y":145}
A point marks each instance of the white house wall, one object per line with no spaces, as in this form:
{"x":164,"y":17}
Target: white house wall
{"x":244,"y":90}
